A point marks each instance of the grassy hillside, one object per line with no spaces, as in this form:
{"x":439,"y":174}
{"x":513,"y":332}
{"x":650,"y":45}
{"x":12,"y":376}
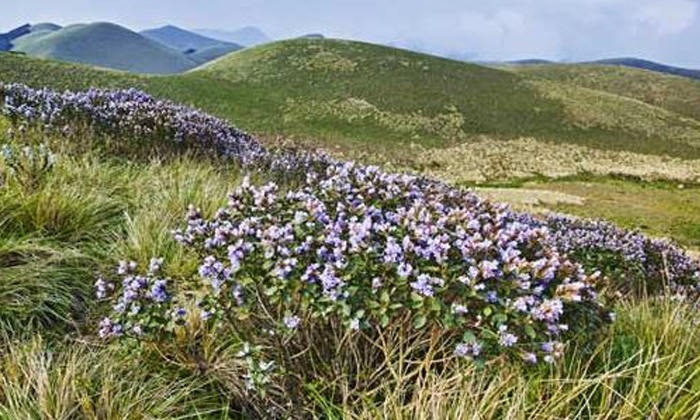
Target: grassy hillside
{"x":677,"y":94}
{"x":369,"y":100}
{"x":208,"y":54}
{"x":106,"y":45}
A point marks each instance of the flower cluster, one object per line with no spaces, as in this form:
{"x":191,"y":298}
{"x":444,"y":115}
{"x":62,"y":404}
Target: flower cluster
{"x":144,"y":305}
{"x":624,"y":255}
{"x":127,"y":113}
{"x":365,"y":248}
{"x":132,"y":114}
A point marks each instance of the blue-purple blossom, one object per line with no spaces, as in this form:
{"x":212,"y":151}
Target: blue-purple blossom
{"x":292,"y":322}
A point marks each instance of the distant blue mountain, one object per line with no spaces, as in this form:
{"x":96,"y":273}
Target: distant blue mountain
{"x":649,"y":65}
{"x":247,"y":36}
{"x":7,"y":38}
{"x":186,"y":41}
{"x":531,"y":61}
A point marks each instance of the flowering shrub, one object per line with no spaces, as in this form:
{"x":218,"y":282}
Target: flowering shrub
{"x":363,"y":248}
{"x":627,"y":256}
{"x":127,"y":113}
{"x":27,"y":165}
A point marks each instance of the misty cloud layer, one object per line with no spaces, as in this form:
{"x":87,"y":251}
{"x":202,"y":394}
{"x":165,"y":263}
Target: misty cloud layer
{"x":662,"y":30}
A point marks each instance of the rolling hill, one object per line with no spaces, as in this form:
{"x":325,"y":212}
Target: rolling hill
{"x":106,"y":45}
{"x":674,"y":93}
{"x":371,"y":100}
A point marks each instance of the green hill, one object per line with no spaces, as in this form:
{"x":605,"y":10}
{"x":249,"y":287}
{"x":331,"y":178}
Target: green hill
{"x":207,"y":54}
{"x":674,"y":93}
{"x":106,"y":45}
{"x":370,"y":100}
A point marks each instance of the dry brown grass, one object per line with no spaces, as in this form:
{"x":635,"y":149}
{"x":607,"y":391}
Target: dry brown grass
{"x":487,"y":160}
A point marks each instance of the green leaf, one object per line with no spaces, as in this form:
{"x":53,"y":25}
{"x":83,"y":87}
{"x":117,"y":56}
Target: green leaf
{"x":469,"y":337}
{"x":384,"y":297}
{"x":420,"y":321}
{"x":530,"y":331}
{"x":487,"y":311}
{"x":500,"y":318}
{"x":384,"y":321}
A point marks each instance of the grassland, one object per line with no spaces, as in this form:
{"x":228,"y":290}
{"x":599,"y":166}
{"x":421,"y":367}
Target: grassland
{"x":96,"y":208}
{"x":673,"y":93}
{"x":367,"y":99}
{"x":464,"y":123}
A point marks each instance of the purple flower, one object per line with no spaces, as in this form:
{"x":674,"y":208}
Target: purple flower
{"x":468,"y":349}
{"x":292,"y":322}
{"x":404,"y":270}
{"x":507,"y":339}
{"x":159,"y":291}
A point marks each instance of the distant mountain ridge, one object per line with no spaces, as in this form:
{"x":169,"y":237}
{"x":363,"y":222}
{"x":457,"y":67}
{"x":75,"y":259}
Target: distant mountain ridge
{"x":631,"y":62}
{"x":6,"y":39}
{"x":184,"y":40}
{"x":247,"y":36}
{"x":196,"y":47}
{"x":649,"y":65}
{"x":164,"y":50}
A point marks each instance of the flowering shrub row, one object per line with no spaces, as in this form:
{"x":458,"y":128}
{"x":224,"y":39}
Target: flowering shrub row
{"x":629,"y":257}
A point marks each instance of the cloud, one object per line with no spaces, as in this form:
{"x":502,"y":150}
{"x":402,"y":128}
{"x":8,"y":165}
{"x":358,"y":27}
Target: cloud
{"x":664,"y":30}
{"x":664,"y":18}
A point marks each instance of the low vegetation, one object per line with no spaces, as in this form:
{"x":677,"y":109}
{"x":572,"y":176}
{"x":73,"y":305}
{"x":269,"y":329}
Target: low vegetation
{"x":305,"y":298}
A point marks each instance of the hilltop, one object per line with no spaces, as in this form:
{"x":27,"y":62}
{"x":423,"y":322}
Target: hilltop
{"x":107,"y":45}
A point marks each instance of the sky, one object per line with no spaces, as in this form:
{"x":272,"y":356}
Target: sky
{"x":570,"y":30}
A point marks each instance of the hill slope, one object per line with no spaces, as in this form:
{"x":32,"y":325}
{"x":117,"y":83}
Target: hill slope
{"x":677,"y":94}
{"x":373,"y":100}
{"x":107,"y":45}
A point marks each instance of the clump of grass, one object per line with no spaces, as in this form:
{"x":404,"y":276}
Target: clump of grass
{"x":41,"y":284}
{"x":79,"y":381}
{"x":648,"y":366}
